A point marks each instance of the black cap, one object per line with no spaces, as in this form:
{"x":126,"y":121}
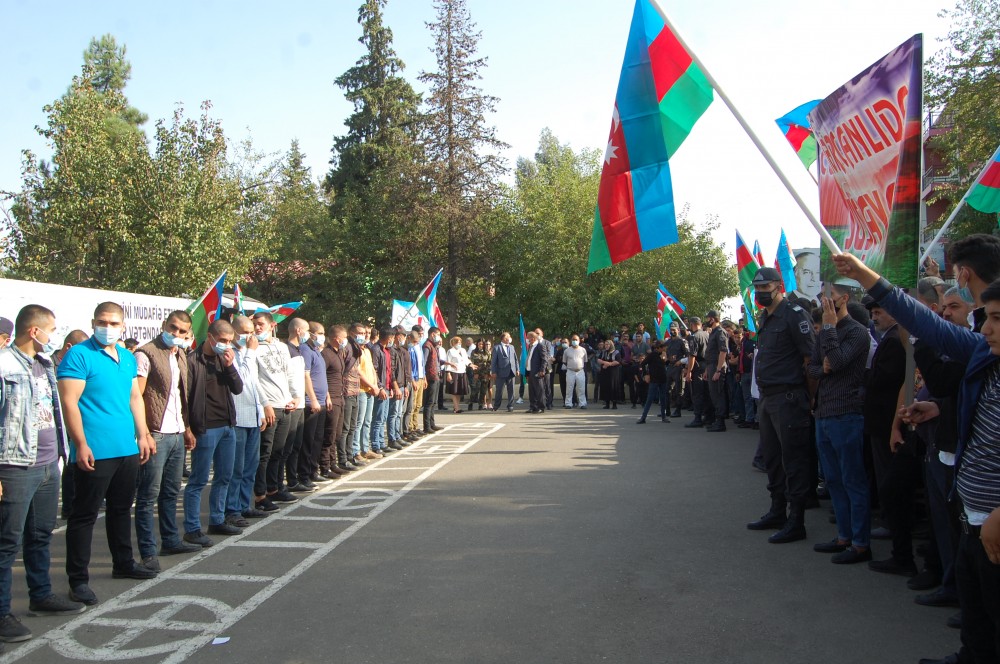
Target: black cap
{"x":869,"y":302}
{"x":712,"y":313}
{"x":6,"y":327}
{"x":694,"y":319}
{"x":766,"y":275}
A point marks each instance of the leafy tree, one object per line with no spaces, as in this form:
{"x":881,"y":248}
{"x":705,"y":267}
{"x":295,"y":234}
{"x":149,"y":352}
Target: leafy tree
{"x":963,"y":82}
{"x":462,"y":150}
{"x":542,"y":251}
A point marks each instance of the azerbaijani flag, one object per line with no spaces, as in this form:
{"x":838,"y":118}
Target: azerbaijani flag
{"x":784,"y":262}
{"x":426,"y":303}
{"x":656,"y":328}
{"x":280,"y":311}
{"x":661,"y":94}
{"x":238,"y":299}
{"x":758,"y":255}
{"x":661,"y":306}
{"x":985,"y":193}
{"x":206,"y":309}
{"x":795,"y":126}
{"x":524,"y":349}
{"x":746,"y":268}
{"x":677,"y":309}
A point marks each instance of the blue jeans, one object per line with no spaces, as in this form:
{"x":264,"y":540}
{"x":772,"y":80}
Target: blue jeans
{"x":379,"y":416}
{"x":750,"y":404}
{"x":27,"y":517}
{"x":246,"y":459}
{"x":159,"y":483}
{"x":361,"y":442}
{"x":216,"y":445}
{"x":656,"y":390}
{"x":840,"y":441}
{"x":395,"y":419}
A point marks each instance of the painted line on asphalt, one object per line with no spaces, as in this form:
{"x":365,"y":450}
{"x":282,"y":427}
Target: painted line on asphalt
{"x":63,"y":641}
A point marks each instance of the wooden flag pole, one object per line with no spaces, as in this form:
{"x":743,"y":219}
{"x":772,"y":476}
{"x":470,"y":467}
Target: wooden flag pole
{"x":824,"y":235}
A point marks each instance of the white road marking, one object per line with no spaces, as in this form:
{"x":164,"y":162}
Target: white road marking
{"x":199,"y":634}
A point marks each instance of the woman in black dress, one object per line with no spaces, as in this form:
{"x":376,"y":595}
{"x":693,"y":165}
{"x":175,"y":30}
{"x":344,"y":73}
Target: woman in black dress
{"x":609,"y":361}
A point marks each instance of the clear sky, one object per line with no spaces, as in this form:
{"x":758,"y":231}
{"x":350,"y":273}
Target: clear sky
{"x":268,"y":69}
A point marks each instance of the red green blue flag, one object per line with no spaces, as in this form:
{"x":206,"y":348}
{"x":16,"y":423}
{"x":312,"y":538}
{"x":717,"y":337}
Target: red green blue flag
{"x":661,"y":94}
{"x":795,"y":126}
{"x":758,"y":255}
{"x":426,"y":303}
{"x":674,"y":307}
{"x":784,"y":262}
{"x":280,"y":311}
{"x":238,"y":299}
{"x":985,"y":193}
{"x":206,"y":309}
{"x":746,"y":268}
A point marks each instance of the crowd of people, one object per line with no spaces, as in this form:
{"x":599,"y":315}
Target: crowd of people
{"x":268,"y":419}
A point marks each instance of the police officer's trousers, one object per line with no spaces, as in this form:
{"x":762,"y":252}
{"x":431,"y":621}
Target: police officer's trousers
{"x":785,"y":439}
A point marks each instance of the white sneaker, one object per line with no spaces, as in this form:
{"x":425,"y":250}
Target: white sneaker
{"x":519,"y":401}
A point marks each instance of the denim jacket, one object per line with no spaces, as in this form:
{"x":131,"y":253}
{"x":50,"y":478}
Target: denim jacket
{"x":18,"y":437}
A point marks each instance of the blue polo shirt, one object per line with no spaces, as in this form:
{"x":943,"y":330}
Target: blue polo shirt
{"x":316,"y":366}
{"x":105,"y":403}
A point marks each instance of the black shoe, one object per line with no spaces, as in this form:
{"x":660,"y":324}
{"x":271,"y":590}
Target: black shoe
{"x":83,"y":594}
{"x":237,"y":520}
{"x":348,"y":467}
{"x":641,"y":421}
{"x":12,"y":631}
{"x":331,"y":474}
{"x":133,"y":572}
{"x":224,"y":529}
{"x":316,"y":478}
{"x":893,"y":566}
{"x":182,"y":547}
{"x":773,"y":520}
{"x":833,"y":546}
{"x":396,"y":445}
{"x":54,"y":605}
{"x":939,"y":597}
{"x":676,"y":413}
{"x":282,"y":496}
{"x":254,"y":513}
{"x":199,"y":538}
{"x":696,"y":423}
{"x":716,"y":426}
{"x":850,"y":556}
{"x":924,"y":581}
{"x":955,"y":621}
{"x":299,"y":487}
{"x":792,"y":532}
{"x":266,"y":505}
{"x":186,"y":472}
{"x":759,"y":465}
{"x":744,"y":425}
{"x":950,"y":659}
{"x":437,"y":428}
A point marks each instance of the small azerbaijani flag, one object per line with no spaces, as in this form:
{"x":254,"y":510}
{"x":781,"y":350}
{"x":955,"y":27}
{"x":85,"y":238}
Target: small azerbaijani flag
{"x":795,"y":126}
{"x":784,"y":262}
{"x":426,"y":303}
{"x":746,"y":268}
{"x":661,"y":94}
{"x":206,"y":309}
{"x":524,"y":347}
{"x":675,"y":307}
{"x":238,"y":299}
{"x":661,"y":306}
{"x":280,"y":311}
{"x":758,"y":255}
{"x":985,"y":193}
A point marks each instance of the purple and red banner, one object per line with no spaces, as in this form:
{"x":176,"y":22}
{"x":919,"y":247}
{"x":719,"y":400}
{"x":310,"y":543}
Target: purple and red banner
{"x":869,"y":137}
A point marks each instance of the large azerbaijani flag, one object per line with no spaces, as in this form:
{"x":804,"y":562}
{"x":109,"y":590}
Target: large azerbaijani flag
{"x":426,"y":303}
{"x":746,"y":268}
{"x":279,"y":311}
{"x":985,"y":193}
{"x":661,"y":94}
{"x":795,"y":127}
{"x":206,"y":309}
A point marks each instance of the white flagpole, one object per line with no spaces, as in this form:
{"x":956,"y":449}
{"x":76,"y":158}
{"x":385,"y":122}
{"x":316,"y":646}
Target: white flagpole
{"x":827,"y":239}
{"x":943,"y":229}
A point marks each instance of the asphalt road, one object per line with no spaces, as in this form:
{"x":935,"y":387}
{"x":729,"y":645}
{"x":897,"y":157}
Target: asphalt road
{"x":571,"y":536}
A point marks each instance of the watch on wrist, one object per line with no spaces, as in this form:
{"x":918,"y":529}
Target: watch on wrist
{"x":828,"y":326}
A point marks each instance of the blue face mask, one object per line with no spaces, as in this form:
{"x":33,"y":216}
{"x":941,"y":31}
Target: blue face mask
{"x":107,"y":336}
{"x":360,"y":338}
{"x":263,"y":337}
{"x":575,"y":342}
{"x":172,"y":341}
{"x":220,"y":348}
{"x":242,"y":340}
{"x":966,"y":294}
{"x":49,"y":346}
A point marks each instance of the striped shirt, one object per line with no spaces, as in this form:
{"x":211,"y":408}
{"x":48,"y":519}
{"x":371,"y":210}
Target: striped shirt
{"x":979,"y":473}
{"x":845,"y":347}
{"x":249,"y":410}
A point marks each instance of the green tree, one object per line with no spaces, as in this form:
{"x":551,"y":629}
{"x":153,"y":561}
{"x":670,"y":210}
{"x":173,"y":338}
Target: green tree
{"x":963,"y":84}
{"x":542,"y":248}
{"x":462,"y":152}
{"x":111,"y":72}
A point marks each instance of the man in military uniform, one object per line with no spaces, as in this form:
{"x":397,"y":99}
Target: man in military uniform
{"x":784,"y":346}
{"x":677,"y":359}
{"x":697,"y":345}
{"x":715,"y":370}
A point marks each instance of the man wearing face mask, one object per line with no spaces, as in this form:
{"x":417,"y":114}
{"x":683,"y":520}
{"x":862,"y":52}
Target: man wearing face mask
{"x":304,"y":466}
{"x":300,"y":365}
{"x":432,"y":367}
{"x":975,"y":262}
{"x":213,"y":380}
{"x":106,"y":421}
{"x":251,"y":420}
{"x":333,"y":460}
{"x":32,"y":440}
{"x":784,"y":347}
{"x":575,"y":358}
{"x":162,"y":369}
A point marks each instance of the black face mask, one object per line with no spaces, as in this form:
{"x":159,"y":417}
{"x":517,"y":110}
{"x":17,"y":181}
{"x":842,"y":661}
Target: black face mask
{"x":764,"y":298}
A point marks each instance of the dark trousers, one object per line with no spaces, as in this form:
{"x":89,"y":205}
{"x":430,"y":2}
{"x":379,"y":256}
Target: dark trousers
{"x":282,"y":463}
{"x":331,"y":436}
{"x":979,"y":596}
{"x":272,"y":442}
{"x":27,"y":518}
{"x":700,"y":398}
{"x":717,"y":390}
{"x":898,"y":492}
{"x":114,"y":482}
{"x":675,"y":386}
{"x":785,"y":442}
{"x":536,"y":392}
{"x":431,"y":395}
{"x":307,"y":462}
{"x":67,"y":489}
{"x":562,"y":384}
{"x":501,"y":385}
{"x":938,"y":480}
{"x":349,"y":423}
{"x":547,"y":387}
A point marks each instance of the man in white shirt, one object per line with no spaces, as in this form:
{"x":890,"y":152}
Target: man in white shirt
{"x":575,"y":358}
{"x":251,"y":420}
{"x":275,"y":383}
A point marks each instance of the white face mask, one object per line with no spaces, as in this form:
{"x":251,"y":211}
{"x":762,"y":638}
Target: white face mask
{"x":320,"y":340}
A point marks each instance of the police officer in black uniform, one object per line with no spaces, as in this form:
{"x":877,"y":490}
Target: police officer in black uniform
{"x":697,"y":345}
{"x":677,"y":359}
{"x":784,"y":346}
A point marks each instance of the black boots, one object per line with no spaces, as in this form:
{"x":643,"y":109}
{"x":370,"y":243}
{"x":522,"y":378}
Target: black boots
{"x":773,"y":520}
{"x":717,"y":425}
{"x":793,"y":530}
{"x":696,"y":423}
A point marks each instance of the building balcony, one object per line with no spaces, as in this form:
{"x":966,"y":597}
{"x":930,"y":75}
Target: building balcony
{"x":936,"y":176}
